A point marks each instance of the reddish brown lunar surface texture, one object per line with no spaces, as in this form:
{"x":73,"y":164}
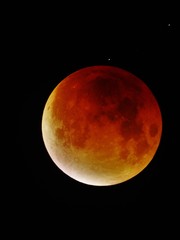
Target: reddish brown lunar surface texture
{"x":101,"y":125}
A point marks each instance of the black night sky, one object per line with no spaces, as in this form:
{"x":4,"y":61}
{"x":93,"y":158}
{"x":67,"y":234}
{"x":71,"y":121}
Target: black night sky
{"x":44,"y":52}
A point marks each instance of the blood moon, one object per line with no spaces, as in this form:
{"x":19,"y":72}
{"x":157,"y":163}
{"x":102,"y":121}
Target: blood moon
{"x":101,"y":125}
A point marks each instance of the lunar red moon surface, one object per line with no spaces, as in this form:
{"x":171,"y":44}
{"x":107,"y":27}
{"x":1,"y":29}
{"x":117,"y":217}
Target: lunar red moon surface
{"x":101,"y":125}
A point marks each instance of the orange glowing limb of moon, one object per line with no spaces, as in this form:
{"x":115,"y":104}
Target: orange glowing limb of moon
{"x":101,"y":125}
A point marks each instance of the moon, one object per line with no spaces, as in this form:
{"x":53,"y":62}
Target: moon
{"x":101,"y":125}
